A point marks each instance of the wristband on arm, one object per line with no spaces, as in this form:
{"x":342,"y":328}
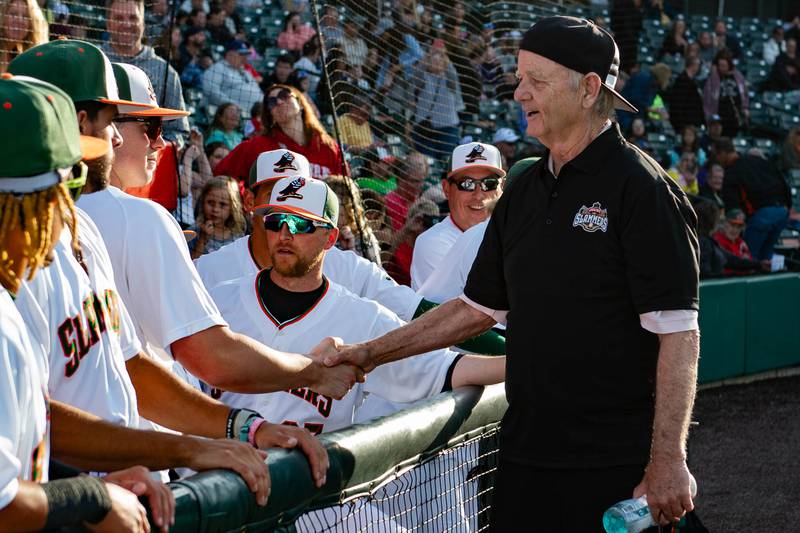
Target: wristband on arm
{"x":487,"y":343}
{"x":73,"y":501}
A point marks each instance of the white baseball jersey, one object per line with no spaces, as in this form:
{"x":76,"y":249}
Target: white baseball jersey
{"x":152,"y":268}
{"x":430,"y":248}
{"x":448,"y":280}
{"x":86,"y":330}
{"x":24,"y":438}
{"x":338,"y":313}
{"x":346,"y":268}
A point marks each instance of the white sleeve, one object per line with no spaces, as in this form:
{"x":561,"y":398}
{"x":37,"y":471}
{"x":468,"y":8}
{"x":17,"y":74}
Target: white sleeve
{"x":128,"y":340}
{"x":421,"y":265}
{"x":167,"y":298}
{"x":410,"y":379}
{"x":367,"y":280}
{"x":10,"y":434}
{"x":663,"y":322}
{"x":499,"y":315}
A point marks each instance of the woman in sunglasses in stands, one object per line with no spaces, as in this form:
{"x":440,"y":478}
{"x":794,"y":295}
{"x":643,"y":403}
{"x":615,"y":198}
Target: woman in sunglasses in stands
{"x":289,"y":122}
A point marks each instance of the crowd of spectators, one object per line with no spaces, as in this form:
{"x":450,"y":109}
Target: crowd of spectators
{"x":413,"y":80}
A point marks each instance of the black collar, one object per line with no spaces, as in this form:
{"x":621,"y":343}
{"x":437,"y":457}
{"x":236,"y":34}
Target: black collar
{"x":596,"y":154}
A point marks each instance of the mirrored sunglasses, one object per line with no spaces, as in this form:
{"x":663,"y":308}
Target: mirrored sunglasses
{"x":275,"y":101}
{"x":294,"y":223}
{"x":469,"y":184}
{"x":155,"y":125}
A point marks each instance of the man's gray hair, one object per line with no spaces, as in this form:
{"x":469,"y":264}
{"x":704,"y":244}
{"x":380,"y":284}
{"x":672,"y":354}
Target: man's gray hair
{"x":604,"y":105}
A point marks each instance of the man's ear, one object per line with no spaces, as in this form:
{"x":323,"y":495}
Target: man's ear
{"x":84,"y":124}
{"x":333,"y":236}
{"x":591,"y":88}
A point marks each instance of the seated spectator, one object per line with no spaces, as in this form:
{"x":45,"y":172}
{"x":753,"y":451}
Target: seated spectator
{"x":411,"y":175}
{"x":729,"y":237}
{"x":724,"y":41}
{"x":421,"y":217}
{"x":218,"y":30}
{"x":707,"y":48}
{"x":638,"y":135}
{"x":233,"y":21}
{"x":375,"y":214}
{"x":690,"y":142}
{"x":169,"y":46}
{"x":295,"y":33}
{"x":331,"y":30}
{"x":253,"y":125}
{"x":490,"y":69}
{"x":289,"y":122}
{"x":194,"y":58}
{"x":355,"y":234}
{"x":219,"y":217}
{"x":473,"y":183}
{"x":22,"y":26}
{"x":725,"y":94}
{"x":377,"y":175}
{"x":685,"y":173}
{"x":642,"y":88}
{"x":282,"y":73}
{"x":508,"y":84}
{"x":228,"y":81}
{"x":157,"y":18}
{"x":354,"y":128}
{"x":353,"y":45}
{"x":304,"y":86}
{"x":310,"y":64}
{"x":198,"y":18}
{"x":216,"y":152}
{"x":506,"y":139}
{"x":685,"y":99}
{"x":713,"y":133}
{"x":785,"y":73}
{"x":436,"y":129}
{"x":753,"y":185}
{"x":195,"y":167}
{"x":712,"y":189}
{"x":714,"y":259}
{"x":774,"y":46}
{"x":189,"y":5}
{"x":675,"y":42}
{"x":225,"y":126}
{"x":790,"y":156}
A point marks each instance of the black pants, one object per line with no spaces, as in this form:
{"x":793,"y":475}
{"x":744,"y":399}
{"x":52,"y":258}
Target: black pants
{"x":547,"y":500}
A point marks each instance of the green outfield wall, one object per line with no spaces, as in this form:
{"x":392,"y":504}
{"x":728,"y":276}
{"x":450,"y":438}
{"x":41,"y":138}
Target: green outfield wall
{"x":748,"y":325}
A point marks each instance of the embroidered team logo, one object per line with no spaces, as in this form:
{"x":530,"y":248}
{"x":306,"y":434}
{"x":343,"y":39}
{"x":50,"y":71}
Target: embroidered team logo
{"x":592,"y":218}
{"x":151,"y":93}
{"x":290,"y":191}
{"x":286,"y":162}
{"x":475,"y":154}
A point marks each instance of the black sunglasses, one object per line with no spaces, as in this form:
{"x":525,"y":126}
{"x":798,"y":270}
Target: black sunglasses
{"x":469,"y":184}
{"x":155,"y":125}
{"x":275,"y":101}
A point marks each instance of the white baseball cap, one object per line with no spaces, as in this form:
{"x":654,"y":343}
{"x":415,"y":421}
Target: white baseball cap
{"x":277,"y":164}
{"x":303,"y":196}
{"x":476,"y":155}
{"x":134,"y":85}
{"x":505,"y":135}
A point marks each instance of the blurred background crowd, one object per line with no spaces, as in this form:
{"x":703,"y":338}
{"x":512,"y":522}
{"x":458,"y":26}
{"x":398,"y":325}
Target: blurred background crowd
{"x":382,"y":91}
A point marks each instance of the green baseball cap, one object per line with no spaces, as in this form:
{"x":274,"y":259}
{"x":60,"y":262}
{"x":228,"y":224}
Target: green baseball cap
{"x":79,"y":68}
{"x":134,"y":85}
{"x":40,"y":139}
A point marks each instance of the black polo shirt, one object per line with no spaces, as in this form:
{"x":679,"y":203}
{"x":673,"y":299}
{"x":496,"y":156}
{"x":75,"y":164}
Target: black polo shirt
{"x":575,"y":260}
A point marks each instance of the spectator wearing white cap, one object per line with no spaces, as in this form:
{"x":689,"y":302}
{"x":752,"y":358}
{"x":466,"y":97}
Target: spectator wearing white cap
{"x":505,"y":139}
{"x":473,"y":183}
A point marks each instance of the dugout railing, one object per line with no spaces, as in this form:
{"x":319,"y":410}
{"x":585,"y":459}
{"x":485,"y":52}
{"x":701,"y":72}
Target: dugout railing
{"x":362,"y":457}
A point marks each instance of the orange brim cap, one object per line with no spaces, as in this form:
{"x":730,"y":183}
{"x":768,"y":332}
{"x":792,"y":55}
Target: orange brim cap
{"x":92,"y":147}
{"x":163,"y":112}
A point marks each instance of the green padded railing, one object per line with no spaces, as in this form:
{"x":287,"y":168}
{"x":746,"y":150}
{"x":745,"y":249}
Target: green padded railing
{"x":360,"y":456}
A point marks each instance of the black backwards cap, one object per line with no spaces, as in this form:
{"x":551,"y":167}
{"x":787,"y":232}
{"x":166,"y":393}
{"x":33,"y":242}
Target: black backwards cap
{"x":578,"y":45}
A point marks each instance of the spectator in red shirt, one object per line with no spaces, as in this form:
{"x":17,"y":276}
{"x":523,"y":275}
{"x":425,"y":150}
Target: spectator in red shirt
{"x":409,"y":187}
{"x":420,"y":218}
{"x":729,"y":237}
{"x":290,"y":123}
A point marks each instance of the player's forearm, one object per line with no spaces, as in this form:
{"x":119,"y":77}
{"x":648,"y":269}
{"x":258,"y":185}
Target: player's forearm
{"x":676,"y":382}
{"x":166,"y":399}
{"x":87,"y":442}
{"x":237,"y":363}
{"x":479,"y":370}
{"x":446,"y":325}
{"x":27,"y":511}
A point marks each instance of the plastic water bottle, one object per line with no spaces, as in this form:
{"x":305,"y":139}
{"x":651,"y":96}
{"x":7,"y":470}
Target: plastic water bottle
{"x":633,"y":516}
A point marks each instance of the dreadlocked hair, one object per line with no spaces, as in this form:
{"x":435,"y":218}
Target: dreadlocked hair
{"x":34,"y":214}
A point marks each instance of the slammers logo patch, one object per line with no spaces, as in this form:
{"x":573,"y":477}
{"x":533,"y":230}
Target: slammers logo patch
{"x":290,"y":191}
{"x":592,"y":218}
{"x":286,"y":162}
{"x":475,"y":155}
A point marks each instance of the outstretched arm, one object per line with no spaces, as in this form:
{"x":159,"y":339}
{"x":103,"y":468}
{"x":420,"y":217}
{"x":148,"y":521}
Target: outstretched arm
{"x":443,"y":326}
{"x":479,"y":370}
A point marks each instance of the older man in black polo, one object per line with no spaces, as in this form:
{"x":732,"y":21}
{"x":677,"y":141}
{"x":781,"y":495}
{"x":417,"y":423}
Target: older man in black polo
{"x":592,"y":261}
